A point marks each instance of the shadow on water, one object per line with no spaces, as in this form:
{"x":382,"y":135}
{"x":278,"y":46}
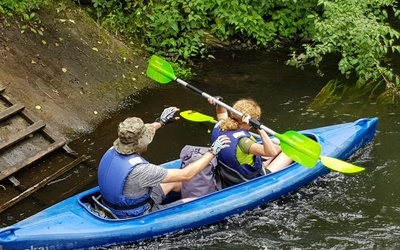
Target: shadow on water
{"x":336,"y":211}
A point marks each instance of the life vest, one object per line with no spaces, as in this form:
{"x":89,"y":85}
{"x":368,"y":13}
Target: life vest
{"x":229,"y":159}
{"x":113,"y":171}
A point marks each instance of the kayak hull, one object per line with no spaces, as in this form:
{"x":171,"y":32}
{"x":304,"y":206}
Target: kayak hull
{"x":70,"y":224}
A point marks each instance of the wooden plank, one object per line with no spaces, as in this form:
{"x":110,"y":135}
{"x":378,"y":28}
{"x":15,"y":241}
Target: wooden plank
{"x":43,"y":182}
{"x":6,"y":142}
{"x":7,"y":99}
{"x":31,"y":118}
{"x":14,"y":180}
{"x":52,"y":147}
{"x":11,"y":111}
{"x":47,"y":132}
{"x":26,"y":114}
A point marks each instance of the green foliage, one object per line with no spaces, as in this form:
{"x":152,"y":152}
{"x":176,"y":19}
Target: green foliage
{"x":23,"y":9}
{"x":188,"y":28}
{"x":31,"y":22}
{"x":11,"y":7}
{"x":358,"y":30}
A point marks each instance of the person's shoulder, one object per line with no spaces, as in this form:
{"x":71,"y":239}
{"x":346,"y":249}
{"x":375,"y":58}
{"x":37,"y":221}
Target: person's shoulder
{"x":149,"y":169}
{"x":245,"y":143}
{"x":246,"y":140}
{"x":146,"y":165}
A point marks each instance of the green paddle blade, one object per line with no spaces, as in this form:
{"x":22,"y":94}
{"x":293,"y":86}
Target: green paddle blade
{"x":160,"y":70}
{"x":340,"y":166}
{"x":300,"y":148}
{"x":195,"y":116}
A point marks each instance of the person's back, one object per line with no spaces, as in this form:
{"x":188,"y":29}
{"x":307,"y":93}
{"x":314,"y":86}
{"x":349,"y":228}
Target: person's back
{"x":114,"y":170}
{"x":235,"y":164}
{"x":245,"y":159}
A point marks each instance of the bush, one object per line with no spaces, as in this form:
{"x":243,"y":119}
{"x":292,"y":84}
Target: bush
{"x":12,"y":7}
{"x":358,"y":30}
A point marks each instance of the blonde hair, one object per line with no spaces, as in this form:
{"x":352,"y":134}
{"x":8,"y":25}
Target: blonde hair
{"x":244,"y":106}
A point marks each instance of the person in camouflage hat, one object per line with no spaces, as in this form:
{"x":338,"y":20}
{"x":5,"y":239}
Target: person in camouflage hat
{"x":131,"y":186}
{"x":133,"y":136}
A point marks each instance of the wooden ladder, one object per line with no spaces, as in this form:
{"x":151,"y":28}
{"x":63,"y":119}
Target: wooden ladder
{"x":25,"y":140}
{"x":12,"y":142}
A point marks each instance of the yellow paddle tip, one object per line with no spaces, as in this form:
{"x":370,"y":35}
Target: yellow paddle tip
{"x":340,"y":166}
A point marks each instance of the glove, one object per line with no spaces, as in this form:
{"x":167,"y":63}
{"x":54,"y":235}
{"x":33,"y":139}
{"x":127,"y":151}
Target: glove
{"x":167,"y":116}
{"x":220,"y":143}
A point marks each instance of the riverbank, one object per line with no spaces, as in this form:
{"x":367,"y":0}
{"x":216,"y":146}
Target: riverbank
{"x":67,"y":70}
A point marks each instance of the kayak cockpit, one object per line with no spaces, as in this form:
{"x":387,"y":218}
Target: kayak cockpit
{"x":97,"y":208}
{"x":91,"y":201}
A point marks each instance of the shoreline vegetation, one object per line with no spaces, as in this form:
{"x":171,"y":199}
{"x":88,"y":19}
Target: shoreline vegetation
{"x":181,"y":30}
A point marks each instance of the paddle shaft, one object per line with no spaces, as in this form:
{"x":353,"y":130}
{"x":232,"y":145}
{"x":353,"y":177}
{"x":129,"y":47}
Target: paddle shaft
{"x":204,"y":94}
{"x":189,"y":114}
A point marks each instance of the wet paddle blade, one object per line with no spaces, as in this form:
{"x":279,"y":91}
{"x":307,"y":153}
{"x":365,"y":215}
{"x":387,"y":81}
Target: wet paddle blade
{"x":160,"y":70}
{"x":195,"y":116}
{"x":300,"y":148}
{"x":340,"y":166}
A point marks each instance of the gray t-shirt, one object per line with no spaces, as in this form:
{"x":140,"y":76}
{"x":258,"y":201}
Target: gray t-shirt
{"x":143,"y":177}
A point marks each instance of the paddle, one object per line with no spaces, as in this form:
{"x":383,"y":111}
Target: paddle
{"x":195,"y":116}
{"x":331,"y":163}
{"x":297,"y":146}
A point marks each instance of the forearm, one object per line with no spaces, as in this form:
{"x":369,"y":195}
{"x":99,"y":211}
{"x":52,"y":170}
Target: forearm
{"x":200,"y":164}
{"x":156,"y":125}
{"x":222,"y":113}
{"x":191,"y":170}
{"x":196,"y":167}
{"x":269,"y":147}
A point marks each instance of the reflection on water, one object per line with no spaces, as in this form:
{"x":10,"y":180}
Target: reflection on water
{"x":336,"y":211}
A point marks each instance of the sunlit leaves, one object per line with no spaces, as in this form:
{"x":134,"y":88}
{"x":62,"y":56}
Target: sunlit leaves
{"x":360,"y":32}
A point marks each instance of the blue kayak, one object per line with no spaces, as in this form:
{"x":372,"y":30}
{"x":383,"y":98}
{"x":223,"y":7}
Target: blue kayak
{"x":72,"y":224}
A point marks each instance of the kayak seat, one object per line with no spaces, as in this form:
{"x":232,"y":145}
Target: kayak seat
{"x":101,"y":209}
{"x":226,"y":176}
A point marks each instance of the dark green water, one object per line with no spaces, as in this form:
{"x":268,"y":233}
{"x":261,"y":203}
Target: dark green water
{"x":336,"y":211}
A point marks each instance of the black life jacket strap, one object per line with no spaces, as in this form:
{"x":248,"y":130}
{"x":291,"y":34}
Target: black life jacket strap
{"x":227,"y":176}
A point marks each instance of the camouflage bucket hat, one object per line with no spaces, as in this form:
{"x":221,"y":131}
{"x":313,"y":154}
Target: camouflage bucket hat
{"x":133,"y":136}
